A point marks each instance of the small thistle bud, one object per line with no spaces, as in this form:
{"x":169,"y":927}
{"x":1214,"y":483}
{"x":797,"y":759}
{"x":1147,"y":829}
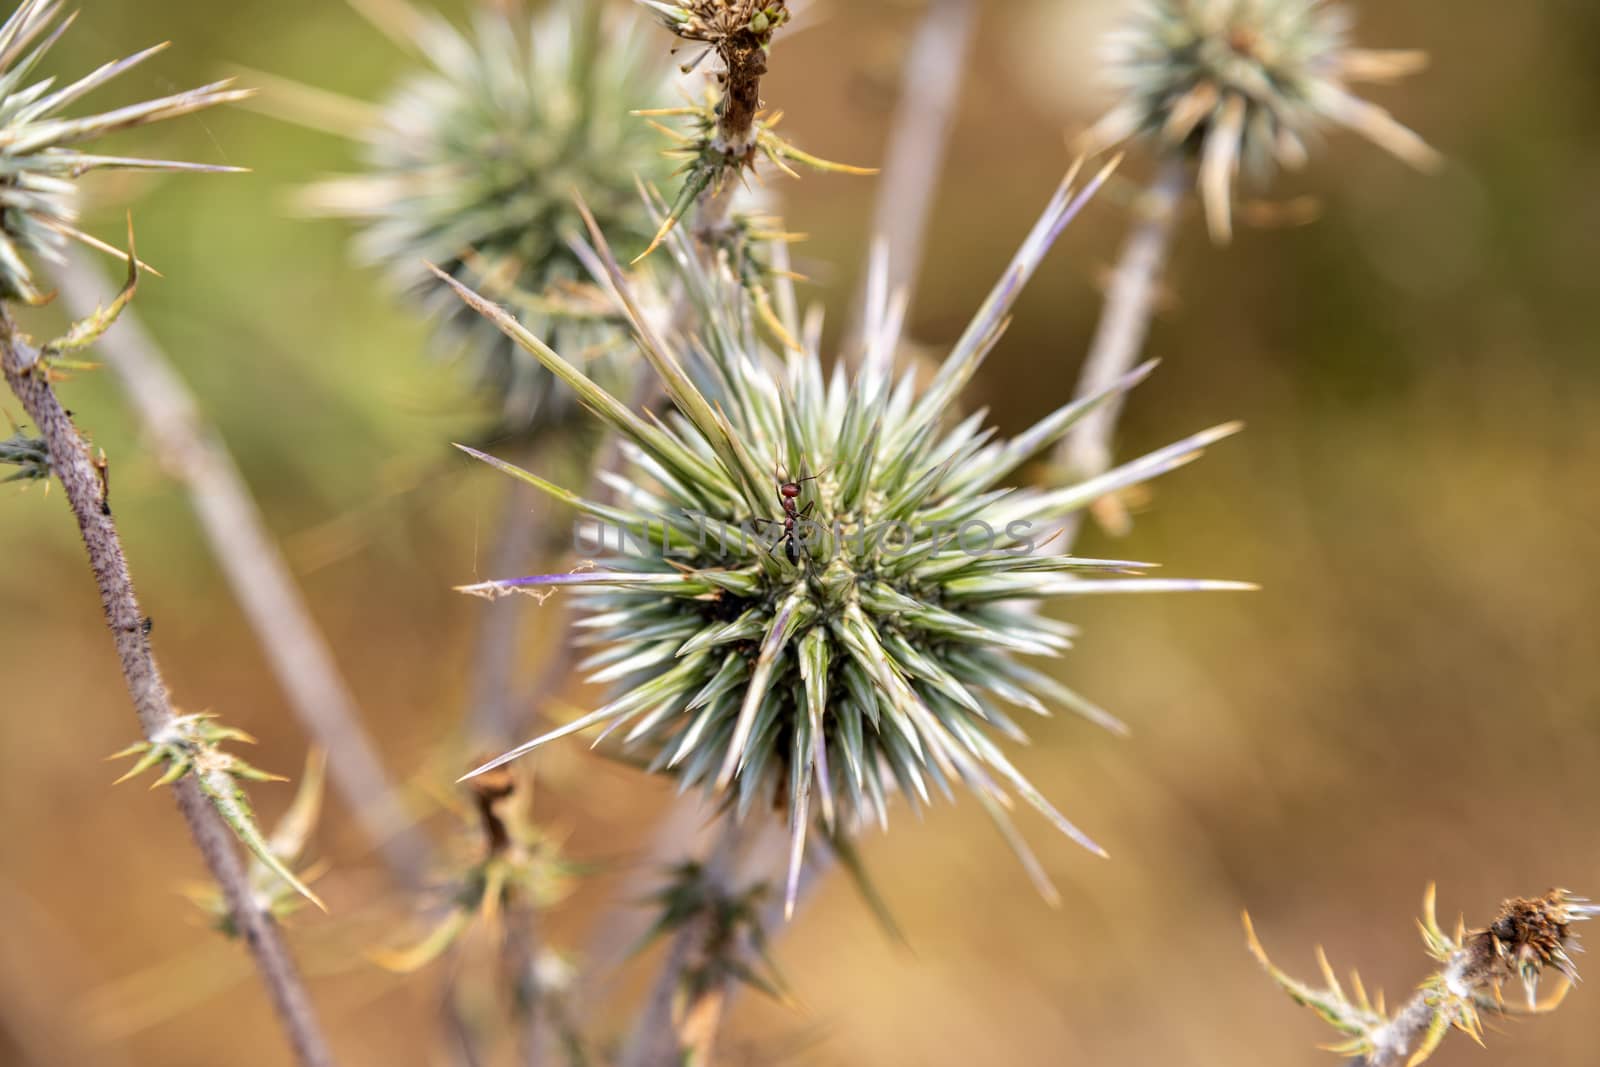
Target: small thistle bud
{"x":825,"y":586}
{"x":40,"y":153}
{"x":1250,"y":81}
{"x":192,"y":745}
{"x":473,"y":163}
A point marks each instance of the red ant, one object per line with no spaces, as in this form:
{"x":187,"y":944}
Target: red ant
{"x":793,"y":515}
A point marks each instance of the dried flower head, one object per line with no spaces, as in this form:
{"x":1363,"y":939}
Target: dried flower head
{"x":727,"y":132}
{"x":827,"y":585}
{"x":40,"y":157}
{"x":1527,"y":937}
{"x":1250,"y":81}
{"x":740,"y":33}
{"x":473,"y":162}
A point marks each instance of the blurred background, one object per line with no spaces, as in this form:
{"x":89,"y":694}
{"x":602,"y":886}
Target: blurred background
{"x":1414,"y":695}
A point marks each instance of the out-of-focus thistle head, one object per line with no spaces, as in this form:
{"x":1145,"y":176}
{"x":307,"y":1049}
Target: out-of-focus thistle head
{"x":1247,"y":81}
{"x":473,"y":163}
{"x":41,"y":149}
{"x":828,"y":586}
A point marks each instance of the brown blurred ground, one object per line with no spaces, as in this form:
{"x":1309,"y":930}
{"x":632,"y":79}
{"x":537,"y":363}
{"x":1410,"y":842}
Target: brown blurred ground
{"x":1413,"y":696}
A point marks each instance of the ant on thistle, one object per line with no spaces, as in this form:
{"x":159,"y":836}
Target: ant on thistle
{"x":793,"y":515}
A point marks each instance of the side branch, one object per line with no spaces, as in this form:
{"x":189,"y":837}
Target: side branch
{"x":673,"y":1024}
{"x":256,"y":571}
{"x":919,"y":134}
{"x":1124,"y":324}
{"x":85,"y":494}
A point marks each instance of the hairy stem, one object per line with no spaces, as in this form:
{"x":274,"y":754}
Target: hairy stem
{"x":85,"y":493}
{"x":259,"y":576}
{"x":1403,"y":1034}
{"x":1124,"y":324}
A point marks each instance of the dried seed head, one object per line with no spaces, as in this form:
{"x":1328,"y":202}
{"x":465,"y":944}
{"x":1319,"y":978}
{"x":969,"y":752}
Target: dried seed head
{"x":473,"y":164}
{"x":832,"y":647}
{"x":1246,"y":82}
{"x":1528,"y":937}
{"x":40,"y":150}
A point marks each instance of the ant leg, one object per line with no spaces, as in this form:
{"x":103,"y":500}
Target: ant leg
{"x":761,"y":526}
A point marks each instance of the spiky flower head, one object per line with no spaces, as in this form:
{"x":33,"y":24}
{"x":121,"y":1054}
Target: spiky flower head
{"x":41,"y":156}
{"x":871,"y":649}
{"x":1251,"y":81}
{"x":473,"y":162}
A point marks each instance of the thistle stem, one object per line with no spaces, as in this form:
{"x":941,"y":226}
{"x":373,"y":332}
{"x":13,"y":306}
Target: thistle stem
{"x":255,"y":569}
{"x":1124,"y":324}
{"x":659,"y":1040}
{"x":84,"y":490}
{"x":919,"y":135}
{"x":921,"y":128}
{"x":1404,"y":1033}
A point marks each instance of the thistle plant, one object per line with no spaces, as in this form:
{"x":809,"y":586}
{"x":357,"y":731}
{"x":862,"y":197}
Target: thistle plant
{"x":497,"y":894}
{"x":472,"y":164}
{"x":865,"y":647}
{"x":41,"y":155}
{"x":1249,"y":82}
{"x":1527,"y":938}
{"x":1232,"y":83}
{"x":719,"y":934}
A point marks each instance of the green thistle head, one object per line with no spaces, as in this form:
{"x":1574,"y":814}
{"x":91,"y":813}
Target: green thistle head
{"x":40,"y":149}
{"x":1249,"y":81}
{"x":473,"y":162}
{"x":872,"y":650}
